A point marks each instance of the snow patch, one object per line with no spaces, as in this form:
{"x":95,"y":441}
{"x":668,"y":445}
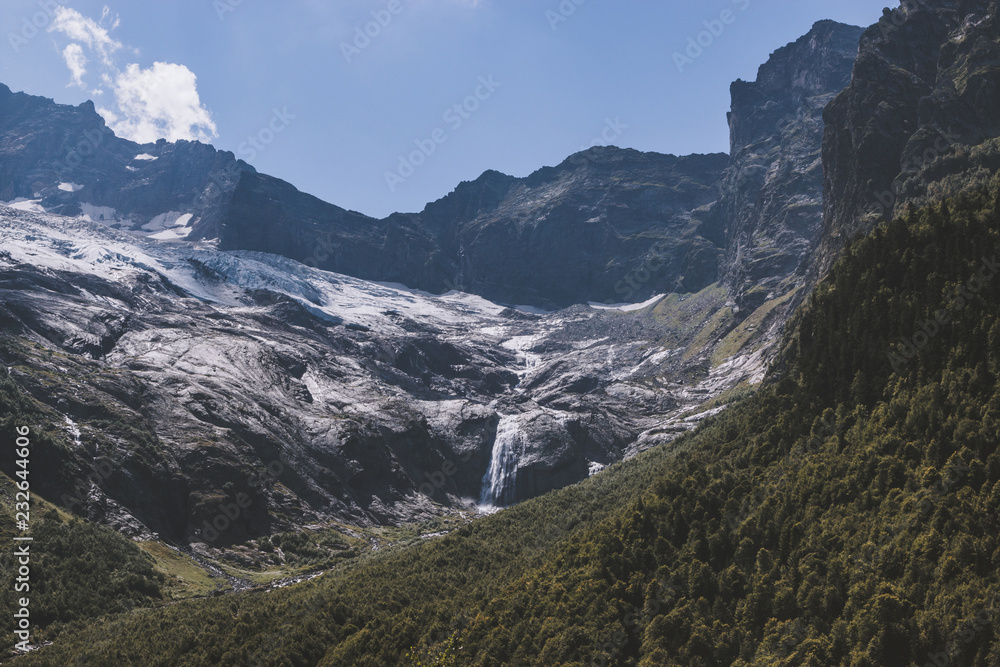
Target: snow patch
{"x":162,"y":221}
{"x":29,"y":205}
{"x":169,"y":226}
{"x":175,"y":234}
{"x":70,"y":187}
{"x":98,"y":213}
{"x":627,"y":307}
{"x":532,"y":310}
{"x":145,"y":156}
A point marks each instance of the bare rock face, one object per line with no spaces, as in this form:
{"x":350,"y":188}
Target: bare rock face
{"x":771,"y":209}
{"x":562,"y":236}
{"x":925,"y":88}
{"x":68,"y":160}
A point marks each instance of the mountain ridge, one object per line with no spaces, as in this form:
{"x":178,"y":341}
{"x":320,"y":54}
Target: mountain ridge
{"x":512,"y":240}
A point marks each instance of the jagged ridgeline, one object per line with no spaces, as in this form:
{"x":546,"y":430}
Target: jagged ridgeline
{"x":844,"y":514}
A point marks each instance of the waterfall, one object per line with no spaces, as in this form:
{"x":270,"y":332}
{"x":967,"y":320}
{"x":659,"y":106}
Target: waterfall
{"x":498,"y":482}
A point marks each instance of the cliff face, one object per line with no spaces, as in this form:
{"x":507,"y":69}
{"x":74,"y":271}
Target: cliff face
{"x":562,"y":236}
{"x":925,"y":88}
{"x":770,"y":211}
{"x":269,"y":215}
{"x":584,"y":230}
{"x":67,"y":160}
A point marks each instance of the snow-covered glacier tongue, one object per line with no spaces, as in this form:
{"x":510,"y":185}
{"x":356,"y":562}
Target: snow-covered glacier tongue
{"x":367,"y":403}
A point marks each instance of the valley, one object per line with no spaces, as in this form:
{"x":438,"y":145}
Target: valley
{"x":633,"y":409}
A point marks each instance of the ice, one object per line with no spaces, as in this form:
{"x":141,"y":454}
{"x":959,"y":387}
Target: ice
{"x":627,"y":307}
{"x":84,"y":246}
{"x":167,"y":221}
{"x":175,"y":234}
{"x":169,"y":226}
{"x":98,"y":213}
{"x":22,"y":204}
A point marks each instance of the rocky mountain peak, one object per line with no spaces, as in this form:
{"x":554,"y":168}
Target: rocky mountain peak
{"x":815,"y":64}
{"x":770,"y":211}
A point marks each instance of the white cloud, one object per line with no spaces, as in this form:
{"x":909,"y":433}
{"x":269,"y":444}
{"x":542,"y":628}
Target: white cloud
{"x":158,"y":102}
{"x":76,"y":62}
{"x":106,"y":16}
{"x":81,"y":29}
{"x":161,"y":101}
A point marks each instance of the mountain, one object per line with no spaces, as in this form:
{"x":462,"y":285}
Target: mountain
{"x":166,"y":234}
{"x":607,"y":225}
{"x":845,"y":514}
{"x":842,"y":512}
{"x":918,"y":120}
{"x":572,"y":391}
{"x":183,"y":373}
{"x":68,"y":161}
{"x":254,"y":384}
{"x":771,"y":209}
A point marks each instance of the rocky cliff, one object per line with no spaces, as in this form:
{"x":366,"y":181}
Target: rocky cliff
{"x":771,"y":209}
{"x":562,"y":236}
{"x":919,"y":119}
{"x":68,"y":161}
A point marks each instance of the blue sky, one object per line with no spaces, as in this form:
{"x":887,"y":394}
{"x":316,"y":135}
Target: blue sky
{"x":533,"y":80}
